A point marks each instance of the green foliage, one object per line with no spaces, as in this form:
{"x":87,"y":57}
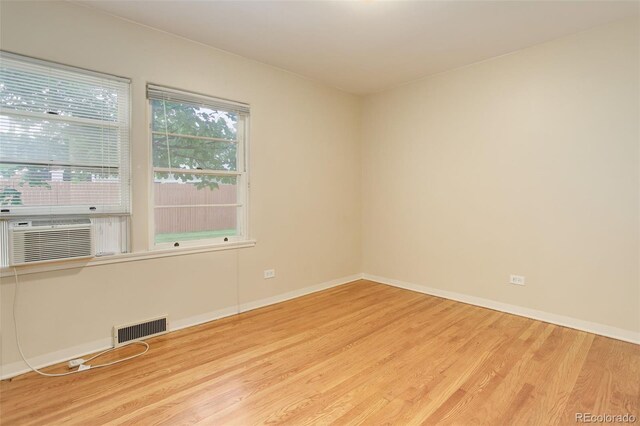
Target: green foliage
{"x":56,"y":95}
{"x":10,"y":197}
{"x":30,"y":175}
{"x":184,"y":152}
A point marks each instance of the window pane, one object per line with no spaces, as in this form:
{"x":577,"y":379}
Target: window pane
{"x":194,"y":120}
{"x":194,"y":223}
{"x":64,"y":139}
{"x":195,"y":136}
{"x":29,"y":185}
{"x":32,"y":140}
{"x":176,"y":189}
{"x":190,"y":153}
{"x":188,"y":207}
{"x":25,"y":87}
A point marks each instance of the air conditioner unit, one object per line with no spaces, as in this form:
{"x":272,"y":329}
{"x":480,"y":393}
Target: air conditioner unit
{"x":47,"y":240}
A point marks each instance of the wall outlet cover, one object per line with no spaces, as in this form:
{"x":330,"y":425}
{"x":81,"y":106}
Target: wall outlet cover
{"x":516,"y":279}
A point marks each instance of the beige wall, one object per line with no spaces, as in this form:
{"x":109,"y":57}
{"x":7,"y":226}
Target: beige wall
{"x":524,"y":164}
{"x":305,"y":193}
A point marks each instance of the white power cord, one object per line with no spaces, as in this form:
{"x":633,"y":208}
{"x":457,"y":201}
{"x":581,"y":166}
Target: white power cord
{"x":80,"y":363}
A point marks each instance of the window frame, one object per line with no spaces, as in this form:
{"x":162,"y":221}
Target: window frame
{"x":242,"y":175}
{"x":124,"y":163}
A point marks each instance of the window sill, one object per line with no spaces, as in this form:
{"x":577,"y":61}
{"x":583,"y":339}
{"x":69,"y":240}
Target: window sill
{"x":126,"y":257}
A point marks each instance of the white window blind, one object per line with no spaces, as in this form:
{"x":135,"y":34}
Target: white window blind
{"x":64,"y":139}
{"x":200,"y":179}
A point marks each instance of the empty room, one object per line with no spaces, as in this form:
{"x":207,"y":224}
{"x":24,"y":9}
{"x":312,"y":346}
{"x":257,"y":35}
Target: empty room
{"x":319,"y":212}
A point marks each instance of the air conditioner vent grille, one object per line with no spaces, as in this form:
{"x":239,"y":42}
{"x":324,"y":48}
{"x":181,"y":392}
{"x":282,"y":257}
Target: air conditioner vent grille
{"x":124,"y":334}
{"x":30,"y":245}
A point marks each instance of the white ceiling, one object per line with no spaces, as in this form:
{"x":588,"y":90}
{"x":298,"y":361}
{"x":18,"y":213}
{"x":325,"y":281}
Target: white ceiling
{"x":368,"y":46}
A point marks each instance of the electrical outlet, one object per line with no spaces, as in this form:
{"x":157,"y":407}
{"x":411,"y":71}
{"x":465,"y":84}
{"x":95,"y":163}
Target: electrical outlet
{"x":269,"y":273}
{"x":516,"y":279}
{"x":75,"y":362}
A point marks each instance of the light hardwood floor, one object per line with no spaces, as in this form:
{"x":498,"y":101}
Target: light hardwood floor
{"x":359,"y":353}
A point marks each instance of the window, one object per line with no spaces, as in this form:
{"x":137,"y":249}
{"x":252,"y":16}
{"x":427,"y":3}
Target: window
{"x":64,"y":140}
{"x":200,"y":179}
{"x":64,"y":149}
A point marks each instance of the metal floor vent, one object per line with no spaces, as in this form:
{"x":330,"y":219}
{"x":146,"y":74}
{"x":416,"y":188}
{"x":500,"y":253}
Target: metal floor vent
{"x":139,"y":331}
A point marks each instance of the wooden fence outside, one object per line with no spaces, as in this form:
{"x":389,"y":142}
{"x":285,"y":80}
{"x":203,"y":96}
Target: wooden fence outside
{"x":167,"y":219}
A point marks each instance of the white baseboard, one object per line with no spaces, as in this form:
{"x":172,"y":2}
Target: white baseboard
{"x":19,"y":367}
{"x":249,"y":306}
{"x":202,"y":318}
{"x":591,"y":327}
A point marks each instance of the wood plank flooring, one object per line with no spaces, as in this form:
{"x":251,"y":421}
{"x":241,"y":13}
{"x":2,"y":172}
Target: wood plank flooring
{"x":362,"y":353}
